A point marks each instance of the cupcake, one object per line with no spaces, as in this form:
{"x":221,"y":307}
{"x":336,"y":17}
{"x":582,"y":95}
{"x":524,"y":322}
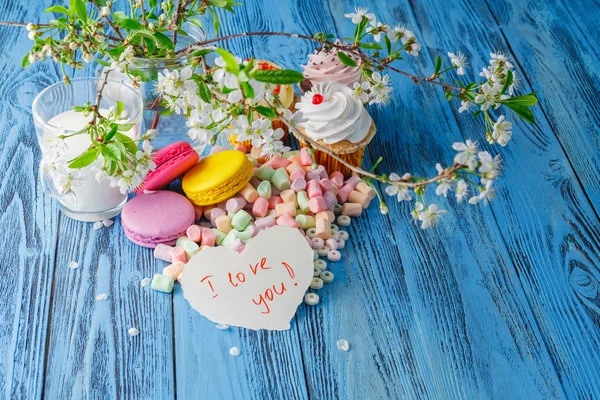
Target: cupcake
{"x":325,"y":66}
{"x":335,"y":119}
{"x":286,"y":95}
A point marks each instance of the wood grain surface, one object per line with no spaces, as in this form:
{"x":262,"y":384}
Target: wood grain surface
{"x":498,"y":302}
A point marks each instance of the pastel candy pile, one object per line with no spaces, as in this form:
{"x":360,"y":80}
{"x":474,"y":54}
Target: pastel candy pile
{"x":282,"y":191}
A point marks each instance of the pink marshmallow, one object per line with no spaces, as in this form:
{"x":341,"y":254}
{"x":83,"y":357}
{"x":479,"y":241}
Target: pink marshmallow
{"x":352,"y":181}
{"x":194,"y":232}
{"x":273,"y":201}
{"x":330,"y":199}
{"x":163,"y":252}
{"x":287,"y":220}
{"x":253,"y":230}
{"x":237,"y":245}
{"x":317,"y":204}
{"x":326,"y":184}
{"x":337,"y":178}
{"x":260,"y":207}
{"x":214,"y":214}
{"x":277,"y":162}
{"x":208,"y":238}
{"x":242,"y":148}
{"x":297,"y":175}
{"x":235,"y":204}
{"x":178,"y":254}
{"x":322,"y":172}
{"x":286,"y":208}
{"x":313,"y":175}
{"x":343,"y":193}
{"x":263,"y":223}
{"x":293,"y":167}
{"x":313,"y":189}
{"x":305,"y":157}
{"x":298,"y":185}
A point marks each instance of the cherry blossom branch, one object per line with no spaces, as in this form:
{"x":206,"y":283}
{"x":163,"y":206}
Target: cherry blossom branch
{"x":350,"y":48}
{"x":99,"y":96}
{"x":21,"y":24}
{"x":110,"y":23}
{"x":447,"y":173}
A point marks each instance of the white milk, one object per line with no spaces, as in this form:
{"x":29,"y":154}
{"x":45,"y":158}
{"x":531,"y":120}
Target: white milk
{"x":96,"y":201}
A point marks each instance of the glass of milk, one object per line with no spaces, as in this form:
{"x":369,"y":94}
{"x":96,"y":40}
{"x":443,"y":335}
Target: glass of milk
{"x":53,"y":115}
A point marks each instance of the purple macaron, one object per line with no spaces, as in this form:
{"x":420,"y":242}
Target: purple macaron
{"x":160,"y":217}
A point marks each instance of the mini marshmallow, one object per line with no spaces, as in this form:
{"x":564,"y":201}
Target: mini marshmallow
{"x":352,"y":181}
{"x":313,"y":189}
{"x":288,"y":196}
{"x":198,"y":212}
{"x":249,"y":193}
{"x":214,"y":214}
{"x":352,"y":209}
{"x":223,"y":223}
{"x":326,"y":184}
{"x":287,"y":220}
{"x":208,"y":238}
{"x":241,"y":220}
{"x":194,"y":232}
{"x":235,"y":204}
{"x":317,"y":204}
{"x":360,"y":198}
{"x":260,"y":207}
{"x":297,"y":175}
{"x":263,"y":223}
{"x":337,"y":178}
{"x":190,"y":247}
{"x":322,"y":228}
{"x":273,"y":201}
{"x":264,"y":190}
{"x":163,"y":252}
{"x":330,"y":199}
{"x":286,"y":208}
{"x":264,"y":173}
{"x":305,"y":157}
{"x":207,"y":210}
{"x":281,"y":180}
{"x":305,"y":221}
{"x":295,"y":166}
{"x":322,"y":172}
{"x":237,"y":245}
{"x":278,"y":162}
{"x":173,"y":270}
{"x":162,"y":283}
{"x":298,"y":184}
{"x":303,"y":201}
{"x":343,"y":193}
{"x":313,"y":176}
{"x":328,"y":215}
{"x":178,"y":254}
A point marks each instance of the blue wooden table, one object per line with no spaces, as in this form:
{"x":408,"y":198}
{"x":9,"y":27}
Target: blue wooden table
{"x":497,"y":302}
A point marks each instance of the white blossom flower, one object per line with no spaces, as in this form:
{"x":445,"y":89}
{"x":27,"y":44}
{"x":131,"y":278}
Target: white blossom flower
{"x":418,"y":210}
{"x":465,"y":105}
{"x":444,"y":184}
{"x":295,"y":118}
{"x":489,"y":167}
{"x":125,"y":59}
{"x":358,"y":15}
{"x":500,"y":60}
{"x":396,"y":33}
{"x":66,"y":182}
{"x":223,"y":77}
{"x":461,"y":191}
{"x":361,"y":91}
{"x":271,"y":143}
{"x":380,"y":90}
{"x":377,"y":29}
{"x":32,"y":35}
{"x":467,"y":153}
{"x":53,"y":164}
{"x":460,"y":61}
{"x":100,"y":173}
{"x":502,"y":131}
{"x":487,"y":194}
{"x":401,"y":193}
{"x":413,"y":48}
{"x":197,"y":123}
{"x":431,"y":216}
{"x":489,"y":95}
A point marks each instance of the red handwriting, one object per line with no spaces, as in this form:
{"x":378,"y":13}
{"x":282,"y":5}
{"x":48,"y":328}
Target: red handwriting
{"x":263,"y":262}
{"x":289,"y":269}
{"x":240,"y":277}
{"x":207,"y":278}
{"x":268,"y":296}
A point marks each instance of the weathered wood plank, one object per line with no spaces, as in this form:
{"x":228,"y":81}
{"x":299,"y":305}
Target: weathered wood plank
{"x":27,"y":219}
{"x":549,"y":227}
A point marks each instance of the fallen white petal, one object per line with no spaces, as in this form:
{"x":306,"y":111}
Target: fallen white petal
{"x":102,"y":297}
{"x":222,"y":326}
{"x":98,"y":225}
{"x":234,"y":351}
{"x":343,"y":345}
{"x":108,"y":222}
{"x":133,"y":331}
{"x":145,"y":282}
{"x":73,"y":264}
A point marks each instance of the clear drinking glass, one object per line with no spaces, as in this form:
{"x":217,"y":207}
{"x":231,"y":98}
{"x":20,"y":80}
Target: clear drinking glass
{"x":52,"y":110}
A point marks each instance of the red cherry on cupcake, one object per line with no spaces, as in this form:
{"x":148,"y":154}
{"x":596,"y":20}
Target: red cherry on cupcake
{"x":317,"y":99}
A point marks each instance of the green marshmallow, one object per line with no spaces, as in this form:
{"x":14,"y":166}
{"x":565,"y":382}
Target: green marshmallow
{"x":190,"y":247}
{"x":293,"y":153}
{"x":231,"y":237}
{"x":219,"y":236}
{"x":264,"y":173}
{"x":162,"y":283}
{"x":253,"y":161}
{"x":244,"y":236}
{"x":281,"y":180}
{"x":240,"y":220}
{"x":264,"y":189}
{"x":305,"y":221}
{"x":302,"y":199}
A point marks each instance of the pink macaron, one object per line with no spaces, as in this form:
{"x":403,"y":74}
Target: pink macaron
{"x":171,"y":162}
{"x":160,"y":217}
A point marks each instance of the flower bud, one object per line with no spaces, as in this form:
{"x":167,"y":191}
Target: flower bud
{"x":109,"y":4}
{"x":162,"y":18}
{"x":164,"y":6}
{"x":105,"y":12}
{"x":152,"y":27}
{"x":151,"y":134}
{"x":73,"y":46}
{"x":31,"y":35}
{"x":88,"y":57}
{"x":31,"y":58}
{"x":30,"y":27}
{"x":98,"y":38}
{"x":48,"y":50}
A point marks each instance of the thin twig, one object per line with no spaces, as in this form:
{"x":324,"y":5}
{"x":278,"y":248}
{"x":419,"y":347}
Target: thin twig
{"x":99,"y":96}
{"x":175,"y":20}
{"x":114,"y":28}
{"x":144,"y":20}
{"x":9,"y":23}
{"x":447,"y":173}
{"x":351,"y":49}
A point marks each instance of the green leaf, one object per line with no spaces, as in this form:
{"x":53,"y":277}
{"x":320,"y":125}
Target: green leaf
{"x":388,"y":44}
{"x":119,"y":16}
{"x":525,"y":100}
{"x":127,"y":142}
{"x":266,"y":111}
{"x":152,"y":3}
{"x":438,"y":64}
{"x":101,"y":3}
{"x":137,"y":72}
{"x":249,"y":66}
{"x":279,"y":76}
{"x":201,"y":53}
{"x":371,"y":46}
{"x":25,"y":61}
{"x":79,"y":7}
{"x":120,"y":107}
{"x":112,"y":152}
{"x":360,"y":28}
{"x":230,"y":64}
{"x":248,"y":90}
{"x":218,"y":3}
{"x":84,"y":159}
{"x":111,"y":133}
{"x":124,"y":127}
{"x":130,"y":24}
{"x":507,"y":82}
{"x":215,"y":19}
{"x":57,"y":9}
{"x":102,"y":62}
{"x":164,"y":41}
{"x":522,"y":111}
{"x":150,"y":45}
{"x":476,"y":113}
{"x":204,"y":91}
{"x":345,"y":59}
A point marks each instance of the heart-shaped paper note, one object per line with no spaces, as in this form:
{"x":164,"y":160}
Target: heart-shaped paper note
{"x":260,"y":288}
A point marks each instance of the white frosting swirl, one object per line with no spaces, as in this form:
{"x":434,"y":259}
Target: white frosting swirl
{"x":338,"y":117}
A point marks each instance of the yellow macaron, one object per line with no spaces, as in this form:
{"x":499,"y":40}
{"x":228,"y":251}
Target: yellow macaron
{"x":217,"y":177}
